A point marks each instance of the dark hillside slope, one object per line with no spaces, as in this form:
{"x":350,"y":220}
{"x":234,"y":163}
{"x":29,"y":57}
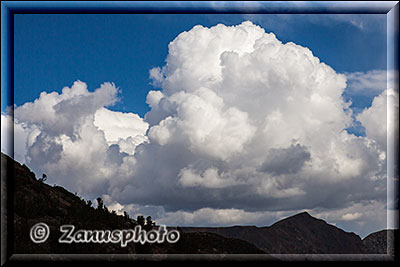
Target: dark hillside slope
{"x":381,"y":242}
{"x":35,"y":201}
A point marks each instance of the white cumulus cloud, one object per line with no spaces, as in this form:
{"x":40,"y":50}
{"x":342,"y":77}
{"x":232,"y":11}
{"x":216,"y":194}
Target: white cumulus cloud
{"x":379,"y":124}
{"x":238,"y":113}
{"x":75,"y":140}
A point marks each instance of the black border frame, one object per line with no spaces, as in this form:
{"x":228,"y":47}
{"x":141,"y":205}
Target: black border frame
{"x":9,"y":8}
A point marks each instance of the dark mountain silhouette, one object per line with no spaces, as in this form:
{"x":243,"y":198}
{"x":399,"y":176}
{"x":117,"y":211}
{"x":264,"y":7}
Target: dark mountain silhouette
{"x":301,"y":234}
{"x":35,"y":201}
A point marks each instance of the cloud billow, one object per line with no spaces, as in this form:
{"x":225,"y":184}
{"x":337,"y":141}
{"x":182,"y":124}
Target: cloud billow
{"x":286,"y":160}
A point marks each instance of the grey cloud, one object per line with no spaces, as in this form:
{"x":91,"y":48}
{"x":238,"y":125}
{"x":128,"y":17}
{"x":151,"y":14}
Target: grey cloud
{"x":285,"y":160}
{"x":114,"y":156}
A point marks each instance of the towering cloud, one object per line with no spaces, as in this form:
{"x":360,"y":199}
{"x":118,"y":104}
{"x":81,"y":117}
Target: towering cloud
{"x":241,"y":114}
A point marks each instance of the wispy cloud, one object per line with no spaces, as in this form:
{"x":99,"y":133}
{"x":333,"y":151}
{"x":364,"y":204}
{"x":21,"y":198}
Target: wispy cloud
{"x":370,"y":83}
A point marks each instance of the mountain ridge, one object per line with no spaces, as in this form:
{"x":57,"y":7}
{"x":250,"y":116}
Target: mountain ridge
{"x":300,"y":234}
{"x":297,"y":234}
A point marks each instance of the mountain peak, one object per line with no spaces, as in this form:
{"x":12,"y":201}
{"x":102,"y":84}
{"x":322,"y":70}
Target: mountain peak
{"x":299,"y":218}
{"x":303,"y":214}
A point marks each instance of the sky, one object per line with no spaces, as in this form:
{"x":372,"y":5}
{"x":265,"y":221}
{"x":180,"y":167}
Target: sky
{"x":208,"y":119}
{"x":123,"y":48}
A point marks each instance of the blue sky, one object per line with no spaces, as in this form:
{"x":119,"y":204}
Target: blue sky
{"x":54,"y":50}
